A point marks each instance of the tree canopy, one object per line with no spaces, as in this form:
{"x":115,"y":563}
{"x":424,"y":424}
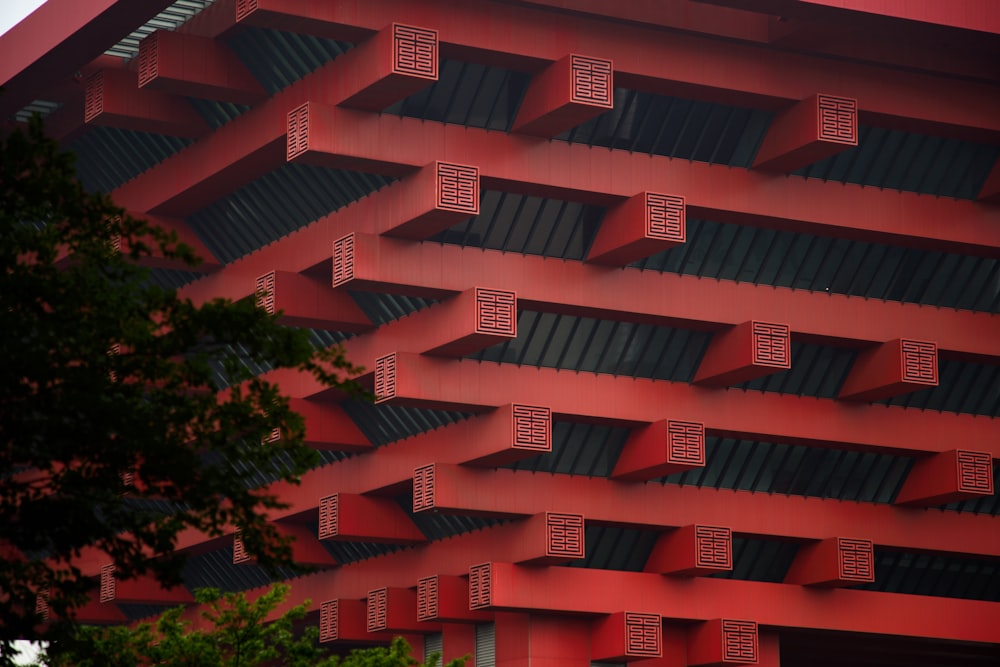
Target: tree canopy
{"x":127,"y":414}
{"x":230,"y":631}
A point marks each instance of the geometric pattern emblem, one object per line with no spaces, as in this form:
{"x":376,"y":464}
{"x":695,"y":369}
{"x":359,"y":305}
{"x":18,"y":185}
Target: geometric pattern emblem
{"x":479,"y":586}
{"x":385,"y":378}
{"x":297,"y":132}
{"x":427,"y":598}
{"x":496,"y":312}
{"x":328,"y":523}
{"x":148,"y":56}
{"x":643,"y":635}
{"x":919,"y":362}
{"x":415,"y":51}
{"x":532,"y":427}
{"x":975,"y":472}
{"x":665,"y":217}
{"x":739,"y":641}
{"x":591,"y":81}
{"x":264,"y":292}
{"x":108,"y":585}
{"x":838,"y":119}
{"x":378,"y":613}
{"x":245,"y":8}
{"x":565,"y":535}
{"x":42,"y":603}
{"x":714,"y":547}
{"x":329,"y":612}
{"x":686,"y":442}
{"x":93,"y":97}
{"x":857,"y":560}
{"x":343,"y":260}
{"x":423,"y":488}
{"x":772,"y":345}
{"x":240,"y":553}
{"x":458,"y":188}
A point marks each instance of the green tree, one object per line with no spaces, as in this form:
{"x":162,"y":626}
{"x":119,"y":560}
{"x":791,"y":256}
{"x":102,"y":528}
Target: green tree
{"x":127,"y":414}
{"x":233,"y":632}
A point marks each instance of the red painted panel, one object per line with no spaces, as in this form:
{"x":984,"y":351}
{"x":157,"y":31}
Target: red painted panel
{"x":897,"y":367}
{"x":948,"y":476}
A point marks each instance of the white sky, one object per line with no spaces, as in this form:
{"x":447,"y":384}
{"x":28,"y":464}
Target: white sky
{"x":12,"y":11}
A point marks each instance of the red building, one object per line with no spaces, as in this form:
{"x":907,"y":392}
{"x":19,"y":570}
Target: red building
{"x":681,"y":315}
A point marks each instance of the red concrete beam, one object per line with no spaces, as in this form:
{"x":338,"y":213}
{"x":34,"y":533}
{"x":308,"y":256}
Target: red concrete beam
{"x":661,"y":448}
{"x":556,"y":286}
{"x":394,"y":145}
{"x":834,"y":562}
{"x":973,"y":15}
{"x":541,"y":640}
{"x":209,"y":262}
{"x":445,"y":597}
{"x":192,"y":66}
{"x":722,"y":641}
{"x":139,"y":590}
{"x":567,"y":93}
{"x":470,"y":321}
{"x":512,"y":493}
{"x":645,"y":224}
{"x":306,"y":548}
{"x":521,"y":431}
{"x":549,"y":538}
{"x":345,"y":620}
{"x":304,"y":301}
{"x":626,"y":636}
{"x":816,"y":128}
{"x":112,"y":98}
{"x":625,"y":401}
{"x":748,"y":351}
{"x":510,"y":587}
{"x":438,"y":196}
{"x":891,"y":369}
{"x":59,"y":38}
{"x":949,"y":476}
{"x":692,"y":550}
{"x":400,"y":60}
{"x":394,"y":610}
{"x":249,"y":146}
{"x":527,"y":39}
{"x":356,"y":518}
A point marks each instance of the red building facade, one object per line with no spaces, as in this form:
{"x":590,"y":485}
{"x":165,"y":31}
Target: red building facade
{"x":680,"y":315}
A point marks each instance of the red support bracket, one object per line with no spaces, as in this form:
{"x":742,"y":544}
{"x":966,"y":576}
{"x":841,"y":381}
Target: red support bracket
{"x":723,"y":642}
{"x":139,"y":590}
{"x":437,"y":197}
{"x":209,"y":262}
{"x":559,"y":534}
{"x":836,"y":562}
{"x":692,"y":550}
{"x":745,"y":352}
{"x":346,"y":620}
{"x":549,"y":538}
{"x":627,"y":636}
{"x":306,"y":548}
{"x":394,"y":610}
{"x":112,"y":98}
{"x":328,"y":427}
{"x":357,"y":518}
{"x":521,"y":431}
{"x":946,"y":477}
{"x":308,"y":302}
{"x":393,"y":64}
{"x":445,"y":597}
{"x":813,"y":129}
{"x":891,"y":369}
{"x":193,"y":66}
{"x":568,"y":92}
{"x":661,"y":448}
{"x":643,"y":225}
